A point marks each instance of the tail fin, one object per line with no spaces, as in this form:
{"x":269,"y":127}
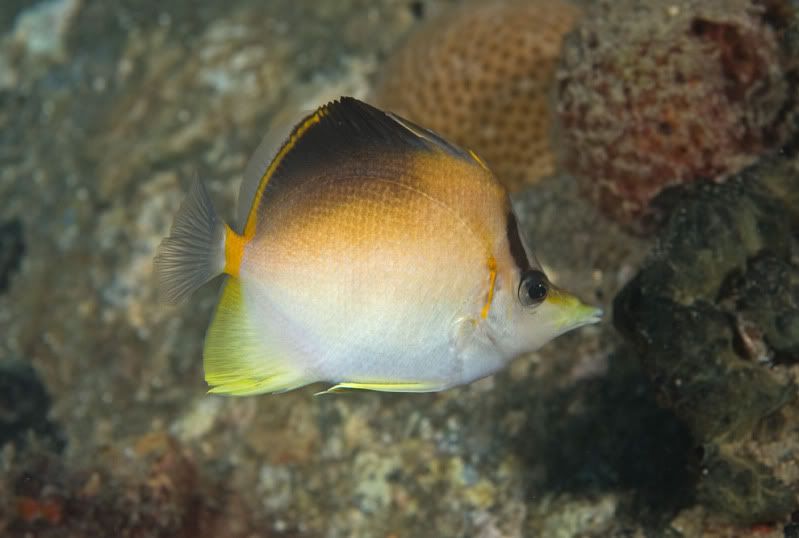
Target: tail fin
{"x":194,"y":252}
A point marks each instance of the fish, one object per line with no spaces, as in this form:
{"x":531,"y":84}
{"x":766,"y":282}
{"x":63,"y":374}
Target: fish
{"x":375,"y":255}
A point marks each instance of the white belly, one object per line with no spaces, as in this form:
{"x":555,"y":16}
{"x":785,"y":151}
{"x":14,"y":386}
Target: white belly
{"x":396,"y":324}
{"x":376,"y":341}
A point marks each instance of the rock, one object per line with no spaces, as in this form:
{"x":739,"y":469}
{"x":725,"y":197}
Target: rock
{"x":652,"y":95}
{"x":37,"y":41}
{"x":792,"y":529}
{"x":24,"y":406}
{"x":12,"y":248}
{"x":712,"y":315}
{"x":766,"y":299}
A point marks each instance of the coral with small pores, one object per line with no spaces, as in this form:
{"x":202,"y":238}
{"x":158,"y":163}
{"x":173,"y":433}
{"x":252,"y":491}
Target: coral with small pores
{"x":652,"y":95}
{"x":480,"y":74}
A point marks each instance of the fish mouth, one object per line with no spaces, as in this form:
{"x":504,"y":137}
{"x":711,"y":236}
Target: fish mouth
{"x":583,"y":315}
{"x":594,"y":315}
{"x":574,"y":313}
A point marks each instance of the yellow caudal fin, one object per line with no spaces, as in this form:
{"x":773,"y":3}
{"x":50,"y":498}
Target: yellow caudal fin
{"x":237,"y":358}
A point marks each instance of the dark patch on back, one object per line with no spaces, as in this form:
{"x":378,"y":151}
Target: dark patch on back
{"x":515,"y":242}
{"x":350,"y":140}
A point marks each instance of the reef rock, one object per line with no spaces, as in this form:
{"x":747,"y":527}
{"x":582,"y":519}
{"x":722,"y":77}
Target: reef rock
{"x":24,"y":406}
{"x":651,"y":95}
{"x":714,"y":316}
{"x":12,"y":247}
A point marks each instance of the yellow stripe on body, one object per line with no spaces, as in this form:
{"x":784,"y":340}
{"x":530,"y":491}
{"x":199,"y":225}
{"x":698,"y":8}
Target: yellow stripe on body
{"x":492,"y":268}
{"x":492,"y":262}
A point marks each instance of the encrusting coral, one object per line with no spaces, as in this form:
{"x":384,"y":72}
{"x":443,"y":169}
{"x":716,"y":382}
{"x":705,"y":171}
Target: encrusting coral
{"x":481,"y":74}
{"x":651,"y":95}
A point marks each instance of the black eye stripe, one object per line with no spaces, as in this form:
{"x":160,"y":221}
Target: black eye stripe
{"x":515,"y":241}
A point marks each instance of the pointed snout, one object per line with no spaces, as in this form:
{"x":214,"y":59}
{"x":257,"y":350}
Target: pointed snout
{"x":572,"y":312}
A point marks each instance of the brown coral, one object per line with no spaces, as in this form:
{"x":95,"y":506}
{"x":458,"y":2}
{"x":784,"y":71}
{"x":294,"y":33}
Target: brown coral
{"x":651,"y":95}
{"x":481,"y":75}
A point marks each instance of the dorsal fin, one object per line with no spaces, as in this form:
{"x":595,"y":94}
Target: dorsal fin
{"x":345,"y":130}
{"x":280,"y":127}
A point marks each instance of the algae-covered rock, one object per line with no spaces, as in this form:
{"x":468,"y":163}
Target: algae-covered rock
{"x":713,"y":316}
{"x":737,"y":484}
{"x":766,"y":300}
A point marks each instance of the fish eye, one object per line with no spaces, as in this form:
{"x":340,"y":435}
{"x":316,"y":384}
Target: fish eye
{"x":533,"y":288}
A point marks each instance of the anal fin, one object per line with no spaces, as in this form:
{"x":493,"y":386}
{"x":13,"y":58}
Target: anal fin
{"x":236,"y":358}
{"x":420,"y":386}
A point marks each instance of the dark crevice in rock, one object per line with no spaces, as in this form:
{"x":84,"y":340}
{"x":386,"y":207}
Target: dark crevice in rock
{"x":12,"y":248}
{"x":620,"y":440}
{"x":24,"y":407}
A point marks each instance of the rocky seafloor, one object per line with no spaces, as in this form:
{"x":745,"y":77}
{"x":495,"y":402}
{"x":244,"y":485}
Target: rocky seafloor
{"x":109,"y":109}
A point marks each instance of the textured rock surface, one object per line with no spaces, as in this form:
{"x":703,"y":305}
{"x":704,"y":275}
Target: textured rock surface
{"x":24,"y":406}
{"x":12,"y":248}
{"x":481,"y":74}
{"x":651,"y":95}
{"x":712,"y":314}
